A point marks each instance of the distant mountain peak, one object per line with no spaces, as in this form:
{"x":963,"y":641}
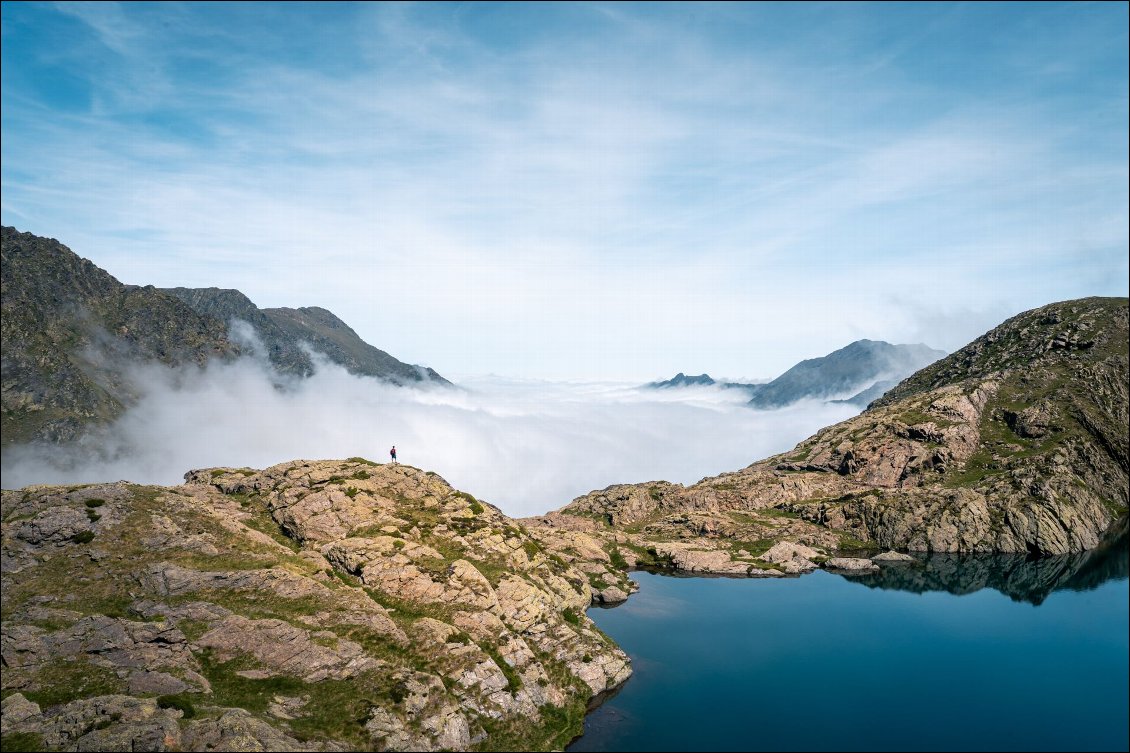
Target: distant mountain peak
{"x":856,"y":367}
{"x":682,"y":380}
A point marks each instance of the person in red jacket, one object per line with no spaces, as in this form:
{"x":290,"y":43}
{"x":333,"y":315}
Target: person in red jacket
{"x":392,"y":454}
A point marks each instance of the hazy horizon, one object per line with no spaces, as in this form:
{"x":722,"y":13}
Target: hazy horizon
{"x":603,"y":191}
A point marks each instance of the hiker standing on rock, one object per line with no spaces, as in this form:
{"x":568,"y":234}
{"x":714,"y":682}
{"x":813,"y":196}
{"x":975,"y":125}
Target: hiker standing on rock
{"x":392,"y":454}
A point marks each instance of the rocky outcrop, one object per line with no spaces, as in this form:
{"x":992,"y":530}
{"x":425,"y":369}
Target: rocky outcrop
{"x":314,"y":605}
{"x":851,"y":565}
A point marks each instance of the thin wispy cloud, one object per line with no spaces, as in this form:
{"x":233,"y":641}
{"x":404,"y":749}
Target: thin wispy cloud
{"x":603,"y":191}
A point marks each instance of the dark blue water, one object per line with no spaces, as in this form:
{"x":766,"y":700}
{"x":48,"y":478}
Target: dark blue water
{"x":946,"y":654}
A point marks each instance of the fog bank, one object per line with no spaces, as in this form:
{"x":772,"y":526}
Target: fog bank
{"x":525,"y":446}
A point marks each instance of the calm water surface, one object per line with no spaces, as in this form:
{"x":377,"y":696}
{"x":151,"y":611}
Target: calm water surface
{"x":948,"y":653}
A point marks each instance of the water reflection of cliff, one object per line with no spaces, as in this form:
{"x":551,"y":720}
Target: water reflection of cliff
{"x":1019,"y":576}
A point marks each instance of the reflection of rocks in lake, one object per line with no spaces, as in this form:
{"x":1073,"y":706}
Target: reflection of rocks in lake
{"x":1018,"y":576}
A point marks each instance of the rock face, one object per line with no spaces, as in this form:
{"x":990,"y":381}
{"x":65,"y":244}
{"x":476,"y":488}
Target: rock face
{"x":336,"y":605}
{"x":1015,"y":443}
{"x":73,"y":336}
{"x":70,"y":330}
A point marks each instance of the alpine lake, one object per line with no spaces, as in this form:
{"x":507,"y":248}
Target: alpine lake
{"x":946,"y":653}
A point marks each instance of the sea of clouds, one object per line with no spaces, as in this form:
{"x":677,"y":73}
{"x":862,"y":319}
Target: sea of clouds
{"x":526,"y":446}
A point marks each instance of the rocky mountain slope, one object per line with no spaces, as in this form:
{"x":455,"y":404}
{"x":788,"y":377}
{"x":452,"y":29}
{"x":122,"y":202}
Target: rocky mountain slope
{"x":69,"y":331}
{"x":337,"y":605}
{"x":283,"y":332}
{"x":73,"y":333}
{"x":867,"y":367}
{"x":853,"y":368}
{"x":1015,"y":443}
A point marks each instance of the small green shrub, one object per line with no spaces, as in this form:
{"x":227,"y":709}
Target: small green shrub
{"x":180,"y":703}
{"x":83,"y":537}
{"x":95,"y":502}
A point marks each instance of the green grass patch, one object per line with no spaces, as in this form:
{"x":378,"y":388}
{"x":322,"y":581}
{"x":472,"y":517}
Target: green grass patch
{"x":849,"y":543}
{"x":650,"y":559}
{"x":404,"y":612}
{"x":476,"y":506}
{"x":261,"y":521}
{"x":231,"y":689}
{"x":914,"y":417}
{"x":776,"y":512}
{"x":363,"y":461}
{"x":616,"y":559}
{"x":28,"y":742}
{"x":339,"y":709}
{"x":553,"y":729}
{"x":755,"y":548}
{"x":800,"y":457}
{"x":193,"y":629}
{"x":181,"y":702}
{"x":346,"y":578}
{"x":64,"y":681}
{"x":94,"y":502}
{"x":513,"y":679}
{"x":532,"y":548}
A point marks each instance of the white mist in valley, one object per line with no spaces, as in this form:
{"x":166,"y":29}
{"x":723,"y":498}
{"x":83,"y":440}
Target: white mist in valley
{"x":526,"y":446}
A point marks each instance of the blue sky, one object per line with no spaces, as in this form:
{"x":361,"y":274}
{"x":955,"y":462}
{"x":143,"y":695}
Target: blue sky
{"x":585,"y":190}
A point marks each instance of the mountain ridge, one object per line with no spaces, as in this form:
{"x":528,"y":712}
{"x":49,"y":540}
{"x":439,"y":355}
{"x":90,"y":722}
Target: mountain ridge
{"x":72,"y":332}
{"x":338,"y":605}
{"x":865,"y":367}
{"x":1015,"y":443}
{"x":855,"y":367}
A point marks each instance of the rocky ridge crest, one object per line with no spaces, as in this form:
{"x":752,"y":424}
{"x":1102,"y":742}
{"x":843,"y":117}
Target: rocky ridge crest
{"x":1015,"y":443}
{"x":73,"y":336}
